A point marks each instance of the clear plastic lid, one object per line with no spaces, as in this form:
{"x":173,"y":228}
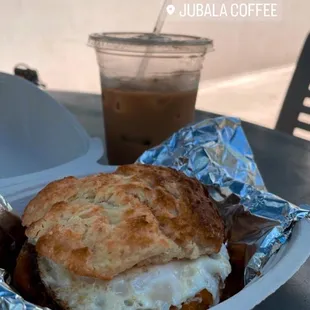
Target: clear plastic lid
{"x":160,"y":43}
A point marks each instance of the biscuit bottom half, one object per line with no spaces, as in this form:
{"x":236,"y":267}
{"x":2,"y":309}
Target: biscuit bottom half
{"x":175,"y":285}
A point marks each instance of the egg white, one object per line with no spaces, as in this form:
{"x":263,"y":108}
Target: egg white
{"x":145,"y":288}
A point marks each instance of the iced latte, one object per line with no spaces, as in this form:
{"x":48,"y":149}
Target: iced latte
{"x":141,"y":111}
{"x":137,"y":120}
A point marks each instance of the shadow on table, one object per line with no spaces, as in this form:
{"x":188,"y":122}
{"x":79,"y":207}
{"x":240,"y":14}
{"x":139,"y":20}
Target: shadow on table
{"x":281,"y":158}
{"x":86,"y":107}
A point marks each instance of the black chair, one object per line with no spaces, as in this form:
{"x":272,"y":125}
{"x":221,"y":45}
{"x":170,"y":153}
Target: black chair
{"x":297,"y":94}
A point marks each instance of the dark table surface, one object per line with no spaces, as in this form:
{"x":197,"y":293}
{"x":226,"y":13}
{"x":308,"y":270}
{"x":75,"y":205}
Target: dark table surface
{"x":284,"y":162}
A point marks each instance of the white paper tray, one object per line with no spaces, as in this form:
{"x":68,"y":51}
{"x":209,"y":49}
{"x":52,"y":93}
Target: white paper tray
{"x":281,"y":267}
{"x":39,"y":138}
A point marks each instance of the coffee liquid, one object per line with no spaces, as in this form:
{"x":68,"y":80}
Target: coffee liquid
{"x":138,"y":120}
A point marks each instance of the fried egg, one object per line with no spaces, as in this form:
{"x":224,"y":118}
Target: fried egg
{"x":156,"y":287}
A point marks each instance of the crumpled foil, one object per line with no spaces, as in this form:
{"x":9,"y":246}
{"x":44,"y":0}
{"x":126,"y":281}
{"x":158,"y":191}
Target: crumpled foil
{"x":9,"y":299}
{"x":217,"y":153}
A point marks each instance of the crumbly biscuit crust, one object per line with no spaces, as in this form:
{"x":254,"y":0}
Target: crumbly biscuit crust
{"x":102,"y":225}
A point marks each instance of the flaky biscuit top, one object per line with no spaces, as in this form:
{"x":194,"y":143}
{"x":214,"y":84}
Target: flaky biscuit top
{"x":102,"y":225}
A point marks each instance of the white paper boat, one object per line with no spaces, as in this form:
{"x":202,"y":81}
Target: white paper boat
{"x":40,"y":140}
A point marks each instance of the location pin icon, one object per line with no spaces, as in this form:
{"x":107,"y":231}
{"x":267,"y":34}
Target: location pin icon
{"x":170,"y":9}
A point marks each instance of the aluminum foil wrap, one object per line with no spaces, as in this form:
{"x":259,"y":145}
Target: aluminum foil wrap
{"x":217,"y":153}
{"x":9,"y":300}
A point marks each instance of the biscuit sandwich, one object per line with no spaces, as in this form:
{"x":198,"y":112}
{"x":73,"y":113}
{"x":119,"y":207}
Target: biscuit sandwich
{"x":140,"y":238}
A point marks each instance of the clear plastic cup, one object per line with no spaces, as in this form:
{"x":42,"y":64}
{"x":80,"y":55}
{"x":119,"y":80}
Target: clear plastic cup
{"x":149,"y":87}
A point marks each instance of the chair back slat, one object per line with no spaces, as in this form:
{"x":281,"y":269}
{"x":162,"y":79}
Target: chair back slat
{"x":297,"y":95}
